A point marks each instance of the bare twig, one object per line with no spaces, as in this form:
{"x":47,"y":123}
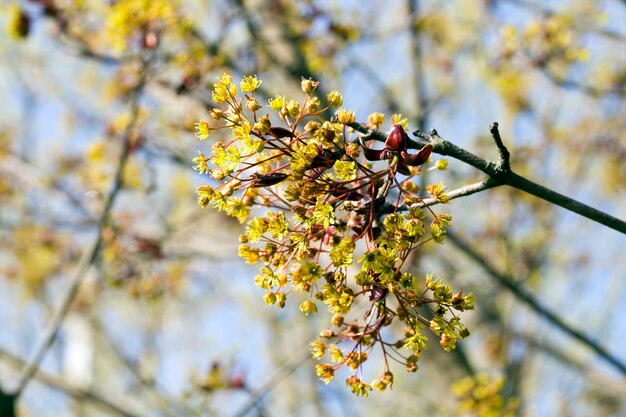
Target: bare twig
{"x":615,"y":388}
{"x":505,"y":156}
{"x":89,"y":256}
{"x":463,"y":191}
{"x":527,"y":298}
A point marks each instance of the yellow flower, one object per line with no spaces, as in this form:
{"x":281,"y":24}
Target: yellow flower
{"x":205,"y":195}
{"x":376,"y":120}
{"x":19,"y":23}
{"x":250,"y":83}
{"x":224,"y":89}
{"x":226,"y":79}
{"x":326,"y":372}
{"x":125,"y":18}
{"x":201,"y":165}
{"x":293,"y":108}
{"x":220,"y":93}
{"x":308,"y":85}
{"x":277,"y":102}
{"x":345,"y":117}
{"x":345,"y":170}
{"x":308,"y":307}
{"x":96,"y":152}
{"x":202,"y":129}
{"x":313,"y":105}
{"x":441,"y":164}
{"x":397,"y":119}
{"x":335,"y":98}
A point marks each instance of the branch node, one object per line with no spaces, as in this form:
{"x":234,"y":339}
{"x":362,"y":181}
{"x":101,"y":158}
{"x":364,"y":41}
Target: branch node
{"x":418,"y":133}
{"x":504,"y":164}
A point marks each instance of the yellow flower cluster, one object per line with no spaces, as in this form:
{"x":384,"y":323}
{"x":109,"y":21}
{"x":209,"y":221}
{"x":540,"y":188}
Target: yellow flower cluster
{"x":126,"y":18}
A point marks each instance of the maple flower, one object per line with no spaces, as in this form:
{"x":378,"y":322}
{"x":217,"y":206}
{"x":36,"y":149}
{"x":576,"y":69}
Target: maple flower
{"x":249,"y":84}
{"x":201,"y":163}
{"x":202,"y":129}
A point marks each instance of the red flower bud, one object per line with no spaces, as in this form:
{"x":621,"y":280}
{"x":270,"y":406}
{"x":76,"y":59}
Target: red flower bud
{"x":419,"y":158}
{"x":281,"y":132}
{"x":371,"y":154}
{"x":396,"y":140}
{"x":324,"y":158}
{"x":403,"y":167}
{"x":266,"y":180}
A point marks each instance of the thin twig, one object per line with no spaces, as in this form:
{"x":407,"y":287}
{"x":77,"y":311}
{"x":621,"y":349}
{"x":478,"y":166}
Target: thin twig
{"x":89,"y":256}
{"x":613,"y":387}
{"x":505,"y":156}
{"x":529,"y":299}
{"x":463,"y":191}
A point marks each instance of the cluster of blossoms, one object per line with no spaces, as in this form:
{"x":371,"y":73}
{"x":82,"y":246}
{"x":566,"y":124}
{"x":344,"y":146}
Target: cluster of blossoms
{"x":327,"y":192}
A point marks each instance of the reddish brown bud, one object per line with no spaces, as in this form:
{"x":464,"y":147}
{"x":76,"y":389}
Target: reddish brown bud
{"x":150,"y":40}
{"x":372,"y":154}
{"x":420,"y":157}
{"x":237,"y":381}
{"x":403,"y":167}
{"x":149,"y":247}
{"x":345,"y":193}
{"x":266,"y":180}
{"x":281,"y":132}
{"x":324,"y":159}
{"x":396,"y":140}
{"x":378,"y":293}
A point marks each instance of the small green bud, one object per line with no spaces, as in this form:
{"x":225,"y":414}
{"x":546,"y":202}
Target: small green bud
{"x":311,"y":127}
{"x":378,"y":384}
{"x":270,"y":298}
{"x":337,"y":320}
{"x":335,"y":98}
{"x":313,"y":105}
{"x":216,"y":113}
{"x":281,"y":298}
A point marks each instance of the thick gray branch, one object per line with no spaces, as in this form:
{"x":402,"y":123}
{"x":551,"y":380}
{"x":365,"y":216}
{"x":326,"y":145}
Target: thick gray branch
{"x":502,"y":173}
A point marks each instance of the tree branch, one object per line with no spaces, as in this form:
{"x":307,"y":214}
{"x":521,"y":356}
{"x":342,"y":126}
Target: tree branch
{"x":89,"y":256}
{"x":463,"y":191}
{"x":527,"y":298}
{"x":501,"y":172}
